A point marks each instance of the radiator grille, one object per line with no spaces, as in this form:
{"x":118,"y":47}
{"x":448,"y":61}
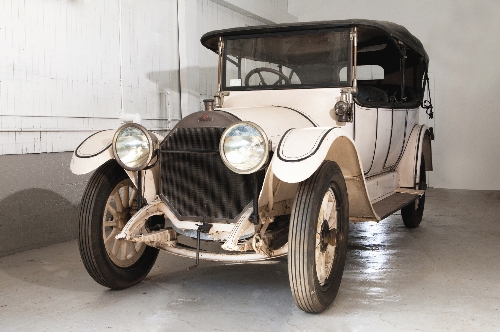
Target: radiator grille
{"x":195,"y":180}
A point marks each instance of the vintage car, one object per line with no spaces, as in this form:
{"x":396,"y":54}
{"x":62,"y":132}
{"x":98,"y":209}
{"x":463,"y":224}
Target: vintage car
{"x":313,"y":125}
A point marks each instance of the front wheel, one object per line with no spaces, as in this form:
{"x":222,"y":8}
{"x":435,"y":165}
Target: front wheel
{"x":319,"y":226}
{"x":107,"y":204}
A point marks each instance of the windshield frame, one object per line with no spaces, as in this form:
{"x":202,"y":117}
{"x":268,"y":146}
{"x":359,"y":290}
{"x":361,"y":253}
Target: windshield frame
{"x":347,"y":83}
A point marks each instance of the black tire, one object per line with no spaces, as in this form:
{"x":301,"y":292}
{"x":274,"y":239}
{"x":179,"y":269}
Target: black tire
{"x":307,"y":244}
{"x":112,"y":270}
{"x":412,"y":213}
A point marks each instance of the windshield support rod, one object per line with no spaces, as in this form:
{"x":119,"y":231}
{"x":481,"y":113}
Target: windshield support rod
{"x":354,"y":38}
{"x":218,"y":95}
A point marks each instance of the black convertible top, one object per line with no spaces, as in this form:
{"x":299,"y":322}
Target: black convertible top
{"x":395,"y":31}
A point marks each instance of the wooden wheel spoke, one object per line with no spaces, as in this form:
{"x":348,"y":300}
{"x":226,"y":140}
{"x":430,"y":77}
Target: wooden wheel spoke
{"x":137,"y":246}
{"x":329,"y":211}
{"x":110,"y":223}
{"x":112,"y":211}
{"x":111,"y":236}
{"x":123,"y":247}
{"x":132,"y":197}
{"x":133,"y":250}
{"x":118,"y":201}
{"x":322,"y":263}
{"x":126,"y":197}
{"x":116,"y":246}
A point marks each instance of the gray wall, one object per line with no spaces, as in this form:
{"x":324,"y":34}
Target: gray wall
{"x":39,"y":198}
{"x":460,"y":38}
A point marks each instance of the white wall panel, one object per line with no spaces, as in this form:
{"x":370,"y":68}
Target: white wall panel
{"x":60,"y":69}
{"x":150,"y":58}
{"x":266,"y":11}
{"x":59,"y":58}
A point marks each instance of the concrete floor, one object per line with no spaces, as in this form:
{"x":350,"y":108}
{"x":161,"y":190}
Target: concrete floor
{"x":442,"y":276}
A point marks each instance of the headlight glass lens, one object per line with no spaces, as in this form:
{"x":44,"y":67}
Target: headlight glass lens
{"x":132,"y":147}
{"x":244,"y":148}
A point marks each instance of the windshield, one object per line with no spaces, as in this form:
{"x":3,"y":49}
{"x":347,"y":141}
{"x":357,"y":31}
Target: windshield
{"x":287,"y":60}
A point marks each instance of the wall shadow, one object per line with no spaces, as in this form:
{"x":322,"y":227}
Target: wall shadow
{"x":34,"y":218}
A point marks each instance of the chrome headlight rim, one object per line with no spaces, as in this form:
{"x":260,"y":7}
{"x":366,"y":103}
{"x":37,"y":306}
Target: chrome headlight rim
{"x":262,"y":162}
{"x":152,"y":145}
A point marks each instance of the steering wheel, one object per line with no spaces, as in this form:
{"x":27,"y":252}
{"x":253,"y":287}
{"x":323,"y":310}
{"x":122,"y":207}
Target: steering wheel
{"x":269,"y":70}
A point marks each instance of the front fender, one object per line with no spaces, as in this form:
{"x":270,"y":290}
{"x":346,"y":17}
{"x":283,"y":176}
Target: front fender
{"x":301,"y":152}
{"x":94,"y":151}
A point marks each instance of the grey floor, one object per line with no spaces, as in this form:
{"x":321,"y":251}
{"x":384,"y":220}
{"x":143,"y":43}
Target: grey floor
{"x":442,"y":276}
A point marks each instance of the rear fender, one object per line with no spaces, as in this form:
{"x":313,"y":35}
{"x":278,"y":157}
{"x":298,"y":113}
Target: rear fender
{"x":418,"y":146}
{"x":301,"y":152}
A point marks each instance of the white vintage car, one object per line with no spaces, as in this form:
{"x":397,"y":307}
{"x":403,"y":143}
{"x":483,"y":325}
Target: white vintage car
{"x":313,"y":125}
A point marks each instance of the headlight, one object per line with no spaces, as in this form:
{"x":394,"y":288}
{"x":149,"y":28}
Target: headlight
{"x":342,"y":108}
{"x":133,"y":146}
{"x":244,"y":147}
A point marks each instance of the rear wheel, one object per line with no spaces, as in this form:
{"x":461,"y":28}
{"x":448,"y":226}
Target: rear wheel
{"x":412,"y":213}
{"x":319,"y":226}
{"x":108,"y":203}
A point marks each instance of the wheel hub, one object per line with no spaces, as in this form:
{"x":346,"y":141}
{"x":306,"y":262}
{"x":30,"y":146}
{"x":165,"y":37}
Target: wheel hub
{"x":324,"y":235}
{"x":328,"y":236}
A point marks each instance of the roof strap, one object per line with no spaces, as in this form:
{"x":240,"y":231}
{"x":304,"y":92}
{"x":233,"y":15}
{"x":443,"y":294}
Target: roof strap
{"x":427,"y":104}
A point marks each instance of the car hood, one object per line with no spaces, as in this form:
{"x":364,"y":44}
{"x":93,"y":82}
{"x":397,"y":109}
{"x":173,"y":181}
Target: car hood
{"x":274,"y":120}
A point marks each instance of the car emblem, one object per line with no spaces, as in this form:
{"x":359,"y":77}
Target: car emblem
{"x":205,"y":117}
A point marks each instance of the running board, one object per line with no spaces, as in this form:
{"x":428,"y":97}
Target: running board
{"x":396,"y":201}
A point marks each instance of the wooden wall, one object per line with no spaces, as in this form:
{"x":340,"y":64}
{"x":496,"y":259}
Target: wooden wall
{"x":68,"y":68}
